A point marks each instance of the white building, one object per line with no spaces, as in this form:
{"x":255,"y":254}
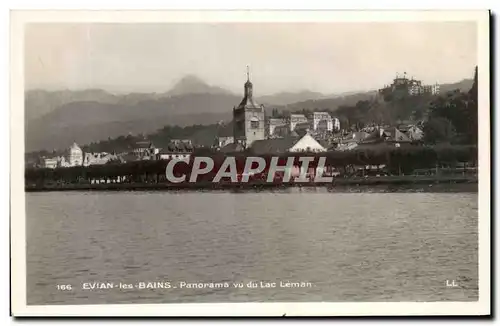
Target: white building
{"x":273,"y":123}
{"x":307,"y":144}
{"x":287,"y":144}
{"x":50,"y":163}
{"x":97,"y":158}
{"x":167,"y":155}
{"x":416,"y":88}
{"x":222,"y":141}
{"x":56,"y":162}
{"x":176,"y":150}
{"x":188,"y":142}
{"x":71,"y":157}
{"x":75,"y":156}
{"x":336,"y":124}
{"x":297,"y":119}
{"x":322,"y":119}
{"x":435,"y":89}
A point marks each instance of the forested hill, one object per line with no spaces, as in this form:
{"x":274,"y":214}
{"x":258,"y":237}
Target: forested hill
{"x":54,"y":120}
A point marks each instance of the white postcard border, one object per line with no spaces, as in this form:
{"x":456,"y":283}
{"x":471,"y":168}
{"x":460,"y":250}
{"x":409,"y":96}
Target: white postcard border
{"x":18,"y":226}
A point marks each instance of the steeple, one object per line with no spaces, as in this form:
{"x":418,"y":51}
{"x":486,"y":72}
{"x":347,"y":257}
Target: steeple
{"x":248,"y":86}
{"x":248,"y":102}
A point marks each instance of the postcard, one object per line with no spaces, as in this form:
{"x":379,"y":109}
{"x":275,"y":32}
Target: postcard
{"x":250,"y":163}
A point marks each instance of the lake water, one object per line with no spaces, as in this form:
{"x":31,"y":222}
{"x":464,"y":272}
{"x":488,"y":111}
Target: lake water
{"x":337,"y":247}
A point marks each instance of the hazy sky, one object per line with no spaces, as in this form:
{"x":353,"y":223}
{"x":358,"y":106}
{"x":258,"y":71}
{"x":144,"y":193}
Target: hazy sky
{"x":324,"y":57}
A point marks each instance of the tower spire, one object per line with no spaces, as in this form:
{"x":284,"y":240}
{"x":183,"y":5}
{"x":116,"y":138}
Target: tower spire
{"x":248,"y":73}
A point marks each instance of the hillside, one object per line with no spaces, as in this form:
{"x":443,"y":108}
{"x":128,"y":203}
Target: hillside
{"x":328,"y":103}
{"x":40,"y":102}
{"x":464,"y":85}
{"x":56,"y":119}
{"x":85,"y":122}
{"x":285,"y":98}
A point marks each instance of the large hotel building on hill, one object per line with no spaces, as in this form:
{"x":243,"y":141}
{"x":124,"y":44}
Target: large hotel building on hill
{"x":403,"y":86}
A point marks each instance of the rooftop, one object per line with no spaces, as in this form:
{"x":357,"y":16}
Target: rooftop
{"x":144,"y":144}
{"x":273,"y":146}
{"x":232,"y":148}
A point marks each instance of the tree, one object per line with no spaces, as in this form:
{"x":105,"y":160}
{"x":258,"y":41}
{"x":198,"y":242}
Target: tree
{"x":344,"y":122}
{"x":275,"y":113}
{"x":473,"y":90}
{"x":472,"y":112}
{"x":438,"y":130}
{"x":461,"y":110}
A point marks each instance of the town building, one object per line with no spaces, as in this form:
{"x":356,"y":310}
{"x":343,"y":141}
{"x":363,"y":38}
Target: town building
{"x":273,"y":123}
{"x":287,"y":144}
{"x":322,"y":121}
{"x":336,"y":124}
{"x":351,"y":140}
{"x":414,"y":133}
{"x":223,"y":137}
{"x":182,"y":141}
{"x":74,"y":156}
{"x":145,"y":150}
{"x":232,"y":148}
{"x":248,"y":118}
{"x":307,"y":144}
{"x":376,"y":138}
{"x":318,"y":123}
{"x":302,"y":128}
{"x":176,"y":150}
{"x":221,"y":141}
{"x":127,"y":157}
{"x":98,"y":158}
{"x":403,"y":86}
{"x":282,"y":131}
{"x":296,"y":119}
{"x":50,"y":163}
{"x":394,"y":135}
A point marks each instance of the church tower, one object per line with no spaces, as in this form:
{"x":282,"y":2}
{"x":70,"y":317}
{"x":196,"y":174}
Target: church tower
{"x":248,"y":118}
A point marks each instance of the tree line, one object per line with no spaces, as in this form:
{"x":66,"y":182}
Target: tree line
{"x":396,"y":161}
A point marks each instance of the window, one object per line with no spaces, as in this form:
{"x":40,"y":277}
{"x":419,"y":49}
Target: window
{"x":254,"y":123}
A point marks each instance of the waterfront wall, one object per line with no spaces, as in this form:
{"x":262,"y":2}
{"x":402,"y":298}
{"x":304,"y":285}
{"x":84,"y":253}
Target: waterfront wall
{"x":389,"y":183}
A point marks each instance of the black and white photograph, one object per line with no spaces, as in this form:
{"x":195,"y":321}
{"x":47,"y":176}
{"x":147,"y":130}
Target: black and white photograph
{"x":250,"y":163}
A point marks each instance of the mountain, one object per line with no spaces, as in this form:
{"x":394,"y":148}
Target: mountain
{"x":56,"y":119}
{"x":191,"y":84}
{"x":285,"y":98}
{"x":88,"y":121}
{"x":40,"y":102}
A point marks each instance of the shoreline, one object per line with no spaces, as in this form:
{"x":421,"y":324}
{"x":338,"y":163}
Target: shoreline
{"x":358,"y":184}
